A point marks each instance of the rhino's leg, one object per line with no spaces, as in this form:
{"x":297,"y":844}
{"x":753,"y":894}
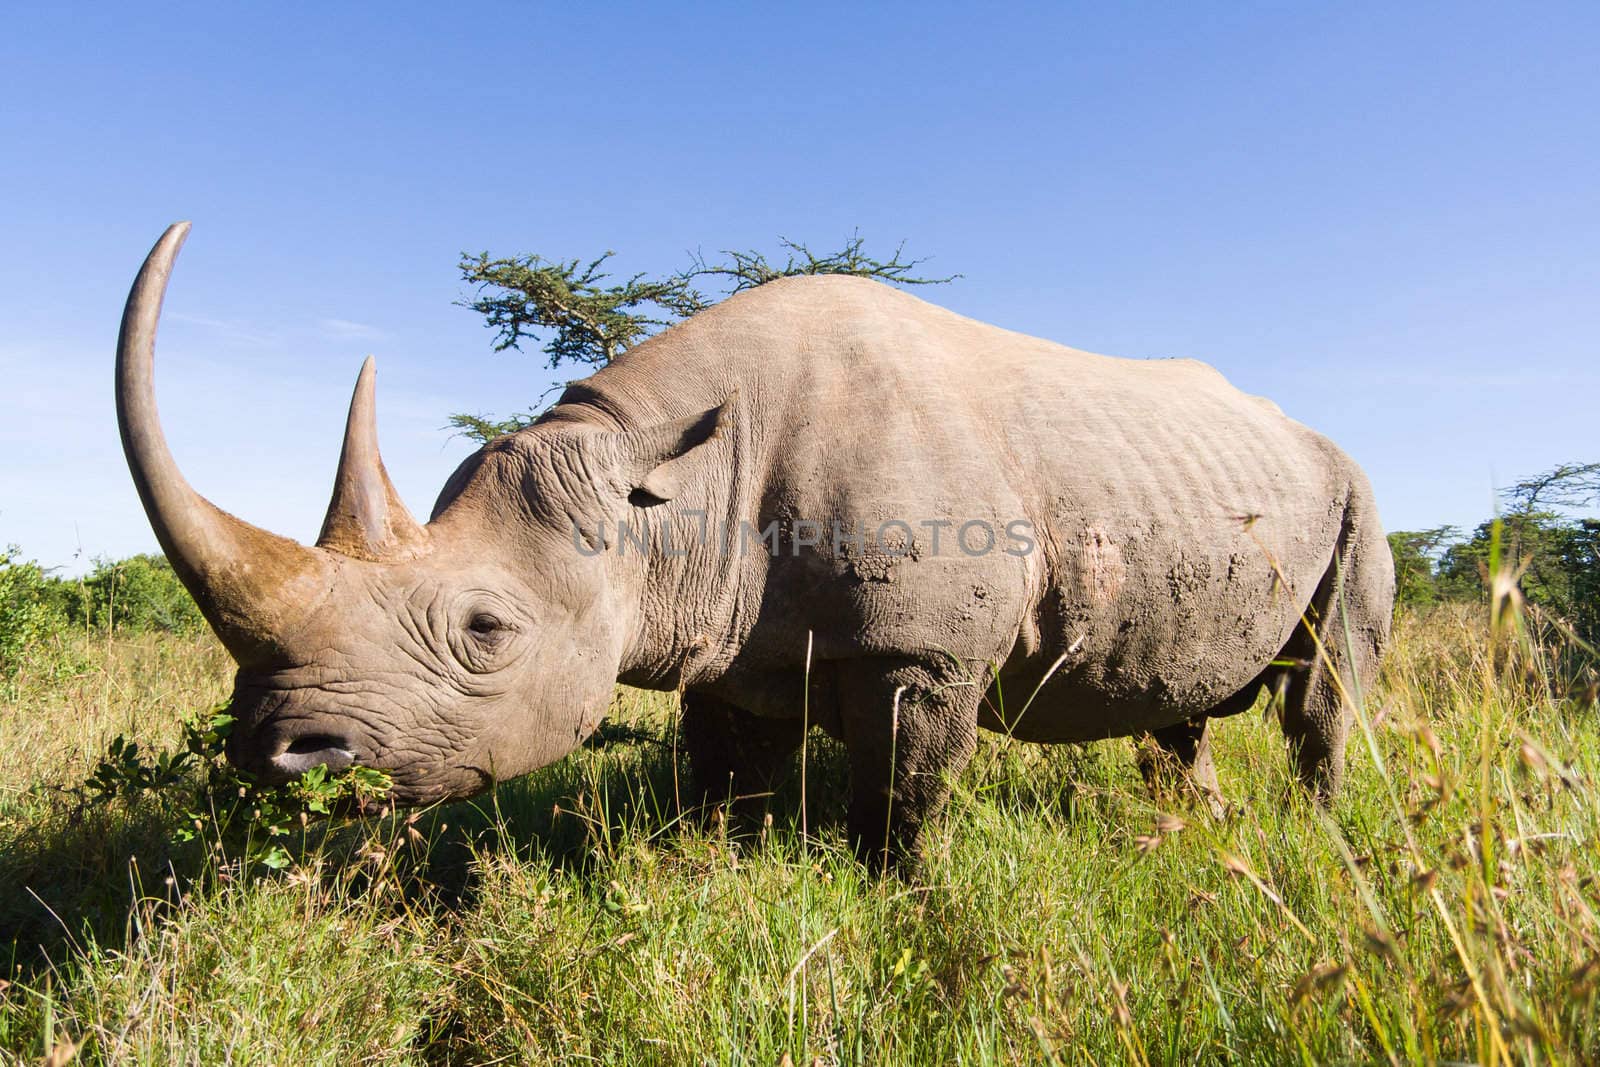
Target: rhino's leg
{"x":1350,"y":615}
{"x":908,"y":733}
{"x":733,"y":755}
{"x":1178,"y":759}
{"x":1314,"y":717}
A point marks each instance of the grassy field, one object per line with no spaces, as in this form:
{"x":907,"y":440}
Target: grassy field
{"x":1445,"y":911}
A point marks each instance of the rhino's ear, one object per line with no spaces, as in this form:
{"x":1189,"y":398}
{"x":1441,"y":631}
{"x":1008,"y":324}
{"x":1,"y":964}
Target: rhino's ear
{"x":652,"y":463}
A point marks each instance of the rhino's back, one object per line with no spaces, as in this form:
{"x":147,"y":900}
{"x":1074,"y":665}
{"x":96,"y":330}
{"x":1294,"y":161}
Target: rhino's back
{"x":1161,"y":498}
{"x":830,"y":368}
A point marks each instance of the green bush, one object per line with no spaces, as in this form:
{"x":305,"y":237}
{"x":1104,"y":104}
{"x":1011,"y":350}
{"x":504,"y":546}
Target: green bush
{"x":220,"y":803}
{"x":138,"y":593}
{"x":1556,"y":560}
{"x":29,"y":612}
{"x":1546,"y":546}
{"x":1416,"y":552}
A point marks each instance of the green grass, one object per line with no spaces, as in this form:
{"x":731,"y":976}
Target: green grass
{"x":1446,"y":910}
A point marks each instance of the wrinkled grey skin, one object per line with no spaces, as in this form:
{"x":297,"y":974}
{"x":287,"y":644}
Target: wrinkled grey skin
{"x":486,"y":643}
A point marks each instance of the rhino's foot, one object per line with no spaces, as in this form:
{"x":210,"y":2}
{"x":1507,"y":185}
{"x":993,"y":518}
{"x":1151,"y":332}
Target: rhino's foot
{"x":896,"y":852}
{"x":908,"y":731}
{"x":1316,"y":752}
{"x":1177,"y":760}
{"x":735,"y":758}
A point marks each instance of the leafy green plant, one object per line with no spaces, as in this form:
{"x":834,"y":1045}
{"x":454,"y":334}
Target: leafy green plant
{"x":137,"y":593}
{"x":140,"y":593}
{"x":27,"y":615}
{"x":226,"y":805}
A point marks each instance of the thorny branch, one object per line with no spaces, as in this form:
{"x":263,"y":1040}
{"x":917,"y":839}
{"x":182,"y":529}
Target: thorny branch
{"x":578,"y":316}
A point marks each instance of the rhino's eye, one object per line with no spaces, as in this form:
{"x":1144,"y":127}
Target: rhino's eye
{"x":484,"y":637}
{"x":485,"y":625}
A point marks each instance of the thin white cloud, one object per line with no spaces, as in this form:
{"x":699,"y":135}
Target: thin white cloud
{"x":233,"y":331}
{"x":1521,"y":378}
{"x":1531,"y":379}
{"x":345,"y":330}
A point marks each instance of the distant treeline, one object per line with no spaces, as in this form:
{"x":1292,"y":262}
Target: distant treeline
{"x":140,"y":593}
{"x":1539,"y":544}
{"x":1555,"y":561}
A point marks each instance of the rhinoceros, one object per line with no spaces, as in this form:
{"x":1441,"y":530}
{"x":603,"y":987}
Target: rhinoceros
{"x":1129,"y":547}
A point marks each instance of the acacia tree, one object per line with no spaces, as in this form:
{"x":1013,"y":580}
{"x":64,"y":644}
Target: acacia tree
{"x":1566,"y":485}
{"x":1416,"y":557}
{"x":579,"y":315}
{"x":1555,"y":551}
{"x":1558,"y":554}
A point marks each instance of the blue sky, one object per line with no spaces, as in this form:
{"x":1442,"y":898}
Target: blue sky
{"x":1385,"y":217}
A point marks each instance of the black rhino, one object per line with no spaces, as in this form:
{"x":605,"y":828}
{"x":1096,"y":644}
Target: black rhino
{"x":933,"y":523}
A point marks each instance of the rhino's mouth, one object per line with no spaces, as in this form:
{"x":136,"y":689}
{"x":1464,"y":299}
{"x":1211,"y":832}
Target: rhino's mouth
{"x":310,"y":751}
{"x":277,"y":753}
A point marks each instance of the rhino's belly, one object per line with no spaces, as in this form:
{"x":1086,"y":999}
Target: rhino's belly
{"x":1151,"y":618}
{"x":1104,"y":671}
{"x":1066,"y":710}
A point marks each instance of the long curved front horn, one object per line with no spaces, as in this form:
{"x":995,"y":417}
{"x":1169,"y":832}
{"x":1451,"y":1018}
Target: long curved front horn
{"x":366,"y":517}
{"x":250,"y":584}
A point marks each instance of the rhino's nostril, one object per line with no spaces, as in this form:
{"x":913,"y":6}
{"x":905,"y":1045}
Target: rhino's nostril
{"x":310,"y":744}
{"x":308,"y":751}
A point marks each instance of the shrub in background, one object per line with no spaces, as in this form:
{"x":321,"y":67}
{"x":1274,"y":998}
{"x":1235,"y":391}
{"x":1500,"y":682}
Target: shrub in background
{"x":38,"y":610}
{"x":1553,"y":552}
{"x":138,"y":593}
{"x":1559,"y":561}
{"x":29,"y":609}
{"x":1416,"y":560}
